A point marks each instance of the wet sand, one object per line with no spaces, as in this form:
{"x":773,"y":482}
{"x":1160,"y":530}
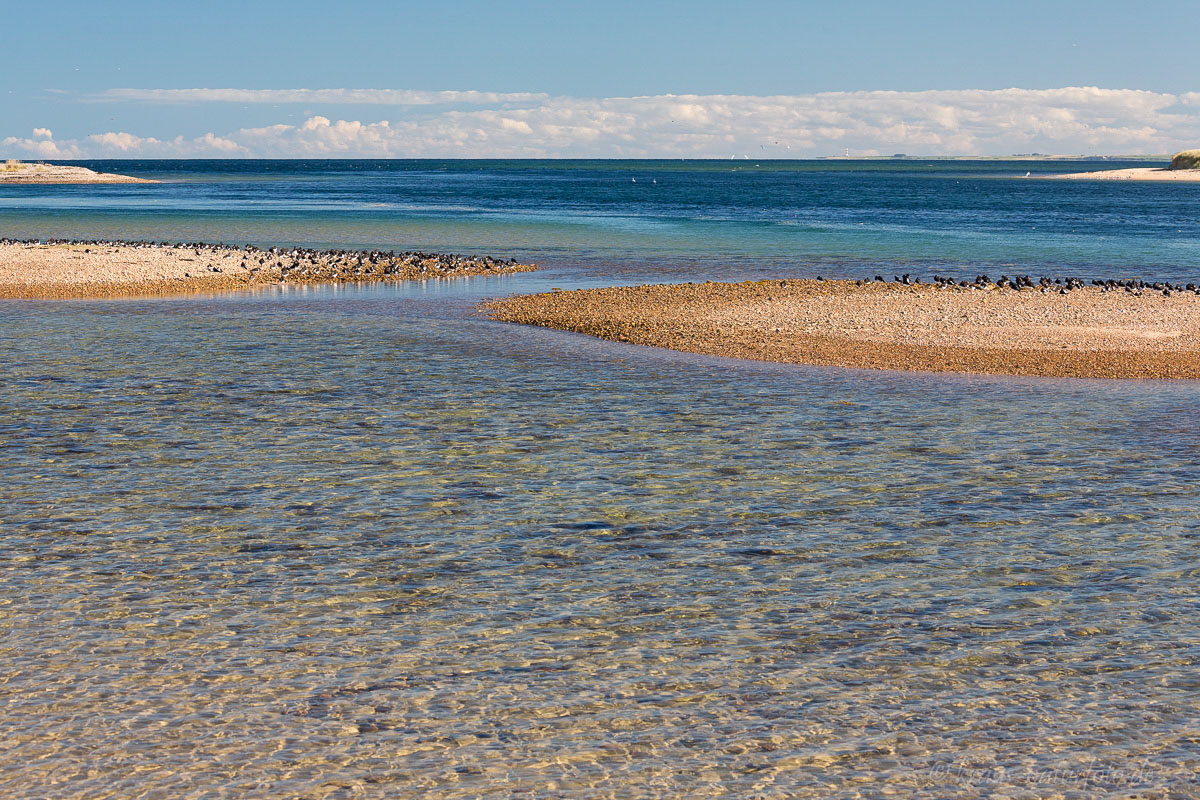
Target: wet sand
{"x":1135,"y":174}
{"x":1082,"y":333}
{"x":54,"y":173}
{"x":107,"y":269}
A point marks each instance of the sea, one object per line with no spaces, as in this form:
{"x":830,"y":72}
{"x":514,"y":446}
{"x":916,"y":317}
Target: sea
{"x":356,"y":541}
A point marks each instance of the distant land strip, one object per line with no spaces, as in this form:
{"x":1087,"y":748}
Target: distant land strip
{"x":1127,"y":329}
{"x":80,"y":269}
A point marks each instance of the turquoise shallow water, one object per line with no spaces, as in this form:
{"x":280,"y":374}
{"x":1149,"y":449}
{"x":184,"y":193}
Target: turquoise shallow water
{"x":361,"y":542}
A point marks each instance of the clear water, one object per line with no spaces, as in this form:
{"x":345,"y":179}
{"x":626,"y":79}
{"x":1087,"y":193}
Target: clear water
{"x":358,"y":541}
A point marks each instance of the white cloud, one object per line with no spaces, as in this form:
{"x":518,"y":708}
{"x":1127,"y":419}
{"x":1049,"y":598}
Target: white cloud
{"x":391,"y":97}
{"x":319,"y":137}
{"x":40,"y":145}
{"x":116,"y":144}
{"x":121,"y":144}
{"x":966,"y":122}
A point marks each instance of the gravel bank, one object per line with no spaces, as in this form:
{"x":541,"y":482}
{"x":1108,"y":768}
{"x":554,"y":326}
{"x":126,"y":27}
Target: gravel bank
{"x":107,"y":269}
{"x":1085,"y":332}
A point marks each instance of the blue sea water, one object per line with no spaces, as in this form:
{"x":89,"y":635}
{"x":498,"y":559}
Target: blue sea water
{"x":648,"y":219}
{"x":359,"y":541}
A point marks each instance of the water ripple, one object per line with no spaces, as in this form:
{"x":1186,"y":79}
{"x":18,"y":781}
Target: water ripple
{"x":364,"y":544}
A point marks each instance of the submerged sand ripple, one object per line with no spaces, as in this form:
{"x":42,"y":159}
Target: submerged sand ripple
{"x":1084,"y":333}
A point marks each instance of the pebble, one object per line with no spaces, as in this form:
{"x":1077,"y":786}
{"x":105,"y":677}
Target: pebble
{"x":1077,"y":330}
{"x":99,"y":268}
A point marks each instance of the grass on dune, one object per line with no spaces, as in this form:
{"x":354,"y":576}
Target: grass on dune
{"x":1186,"y":159}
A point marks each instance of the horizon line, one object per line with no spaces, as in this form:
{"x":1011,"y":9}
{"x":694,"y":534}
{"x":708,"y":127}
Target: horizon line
{"x":896,"y":157}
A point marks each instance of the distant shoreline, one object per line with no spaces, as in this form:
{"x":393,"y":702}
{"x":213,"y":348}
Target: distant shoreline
{"x":1081,"y":332}
{"x":898,"y":159}
{"x":80,"y":270}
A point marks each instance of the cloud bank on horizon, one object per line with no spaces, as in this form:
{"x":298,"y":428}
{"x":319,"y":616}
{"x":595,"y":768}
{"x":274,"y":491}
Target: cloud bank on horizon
{"x":467,"y":124}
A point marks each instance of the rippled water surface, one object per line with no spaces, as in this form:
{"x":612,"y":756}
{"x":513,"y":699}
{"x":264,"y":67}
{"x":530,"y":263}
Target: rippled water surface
{"x":361,"y":542}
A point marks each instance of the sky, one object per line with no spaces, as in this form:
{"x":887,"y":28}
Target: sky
{"x":525,"y":78}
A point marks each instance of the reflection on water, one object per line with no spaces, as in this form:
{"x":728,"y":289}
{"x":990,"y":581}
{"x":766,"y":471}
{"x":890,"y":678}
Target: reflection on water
{"x":365,"y":543}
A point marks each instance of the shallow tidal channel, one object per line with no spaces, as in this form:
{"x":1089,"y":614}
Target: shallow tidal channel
{"x":364,"y":542}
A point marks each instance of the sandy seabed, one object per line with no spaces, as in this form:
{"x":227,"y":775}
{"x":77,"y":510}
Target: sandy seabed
{"x":1084,"y":333}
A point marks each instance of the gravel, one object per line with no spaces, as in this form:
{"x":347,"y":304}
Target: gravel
{"x":1085,"y":332}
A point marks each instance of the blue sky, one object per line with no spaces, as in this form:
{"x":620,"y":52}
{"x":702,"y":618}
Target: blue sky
{"x":542,"y":78}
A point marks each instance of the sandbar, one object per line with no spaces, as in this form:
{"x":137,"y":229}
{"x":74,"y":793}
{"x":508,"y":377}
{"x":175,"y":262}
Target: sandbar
{"x":1084,"y":333}
{"x":20,"y":172}
{"x":49,"y":270}
{"x":1134,"y":174}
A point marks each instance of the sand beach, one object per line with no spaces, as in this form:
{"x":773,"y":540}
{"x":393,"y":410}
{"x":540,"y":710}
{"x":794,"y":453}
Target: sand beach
{"x":1090,"y":332}
{"x":1134,"y":174}
{"x":21,"y":172}
{"x":110,"y":269}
